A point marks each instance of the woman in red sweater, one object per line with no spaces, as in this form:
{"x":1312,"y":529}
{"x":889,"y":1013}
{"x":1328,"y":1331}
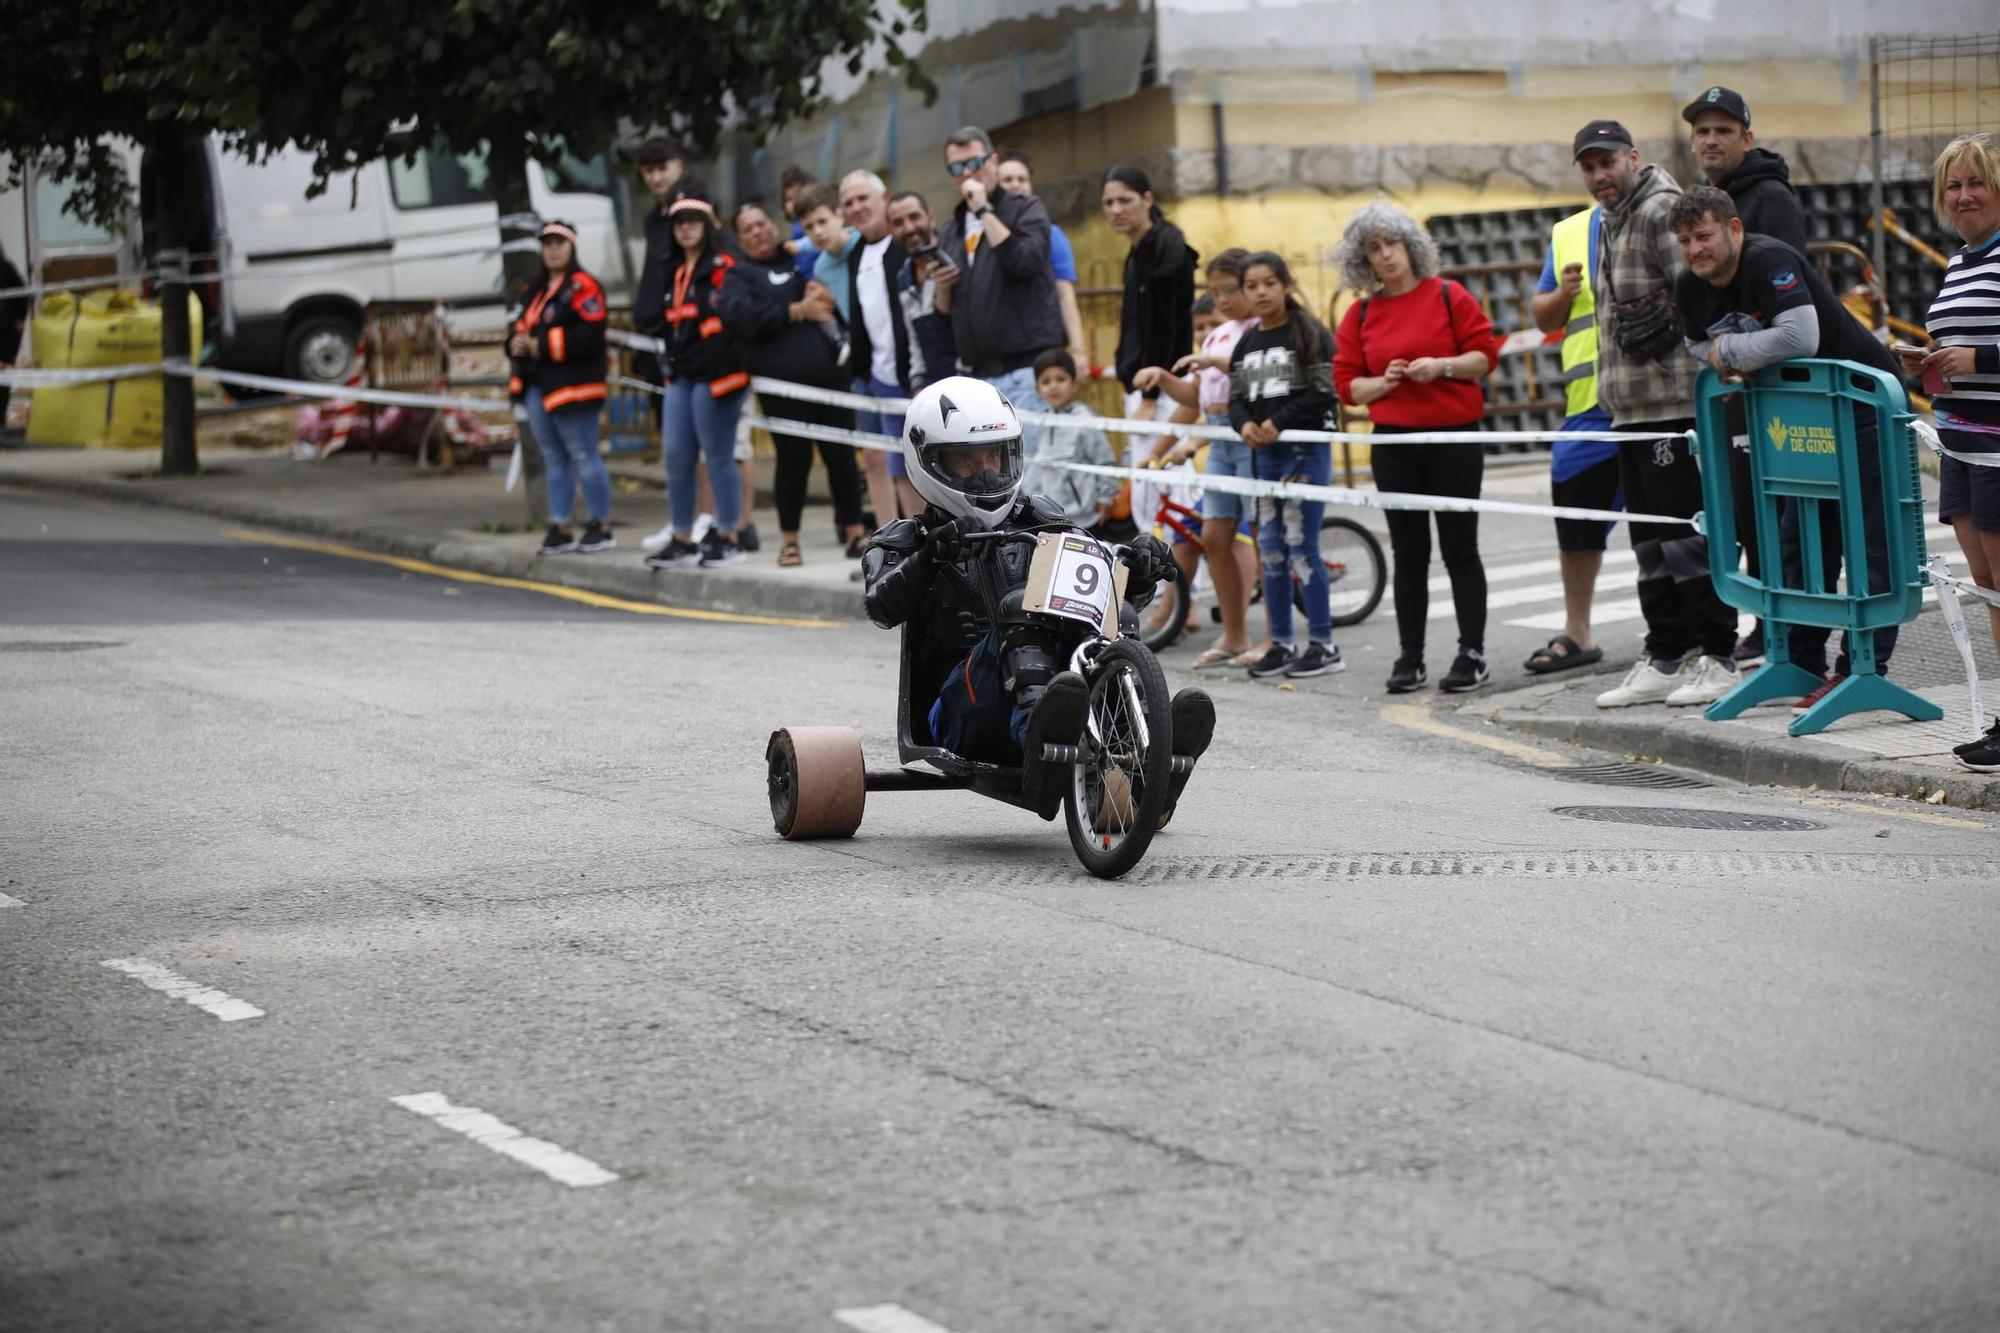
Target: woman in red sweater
{"x":1412,"y":351}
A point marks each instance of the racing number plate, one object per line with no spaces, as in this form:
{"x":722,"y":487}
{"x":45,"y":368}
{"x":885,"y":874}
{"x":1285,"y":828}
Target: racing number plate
{"x":1074,"y":576}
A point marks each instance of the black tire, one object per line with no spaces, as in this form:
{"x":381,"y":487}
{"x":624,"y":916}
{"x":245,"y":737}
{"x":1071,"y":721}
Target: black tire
{"x":1119,"y":791}
{"x":313,"y":344}
{"x":1355,"y":566}
{"x":1179,"y":599}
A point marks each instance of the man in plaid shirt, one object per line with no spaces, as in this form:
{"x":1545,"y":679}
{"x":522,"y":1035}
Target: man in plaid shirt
{"x":1647,"y":387}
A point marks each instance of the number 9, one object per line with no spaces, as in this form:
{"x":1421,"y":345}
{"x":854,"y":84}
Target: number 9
{"x":1086,"y":580}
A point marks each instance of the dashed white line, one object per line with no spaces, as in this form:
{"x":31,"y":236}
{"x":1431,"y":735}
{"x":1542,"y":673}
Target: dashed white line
{"x":147,"y":972}
{"x":887,"y":1319}
{"x":558,"y":1164}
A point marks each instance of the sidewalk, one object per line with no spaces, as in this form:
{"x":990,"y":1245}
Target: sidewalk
{"x":467,"y":520}
{"x":1868,"y":752}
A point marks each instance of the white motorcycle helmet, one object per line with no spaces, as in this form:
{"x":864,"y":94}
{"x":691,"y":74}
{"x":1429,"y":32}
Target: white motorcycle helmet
{"x":962,"y":443}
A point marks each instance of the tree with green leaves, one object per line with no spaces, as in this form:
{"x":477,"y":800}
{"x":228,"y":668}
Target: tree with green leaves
{"x":354,"y":81}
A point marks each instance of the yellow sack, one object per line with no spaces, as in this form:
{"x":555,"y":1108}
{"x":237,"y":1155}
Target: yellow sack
{"x":104,"y":328}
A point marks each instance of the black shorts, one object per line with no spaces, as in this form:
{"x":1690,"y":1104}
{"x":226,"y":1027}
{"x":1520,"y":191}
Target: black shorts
{"x":1596,"y":487}
{"x":1966,"y":488}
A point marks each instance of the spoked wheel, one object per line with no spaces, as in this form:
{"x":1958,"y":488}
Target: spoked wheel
{"x":1355,"y":571}
{"x":1178,"y":599}
{"x":817,"y":780}
{"x":1119,"y":789}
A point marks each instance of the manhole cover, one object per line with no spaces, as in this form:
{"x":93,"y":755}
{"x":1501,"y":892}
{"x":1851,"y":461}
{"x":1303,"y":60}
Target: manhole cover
{"x":1666,"y":816}
{"x":1628,"y":775}
{"x":56,"y":645}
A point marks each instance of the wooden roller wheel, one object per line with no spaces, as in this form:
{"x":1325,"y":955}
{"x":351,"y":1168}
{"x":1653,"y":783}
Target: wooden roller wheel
{"x":817,"y":780}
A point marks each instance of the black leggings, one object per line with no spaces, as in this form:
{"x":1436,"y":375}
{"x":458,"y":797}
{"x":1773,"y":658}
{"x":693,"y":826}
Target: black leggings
{"x":1434,"y":469}
{"x":843,"y":475}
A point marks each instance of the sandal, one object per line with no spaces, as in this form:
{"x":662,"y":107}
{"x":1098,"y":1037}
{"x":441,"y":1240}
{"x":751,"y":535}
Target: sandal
{"x":1212,"y":657}
{"x":1248,"y":658}
{"x":856,"y":545}
{"x":1561,"y":654}
{"x":789,"y":557}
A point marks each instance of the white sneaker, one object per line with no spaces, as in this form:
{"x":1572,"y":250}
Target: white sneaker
{"x":657,"y":541}
{"x":1710,"y":680}
{"x":1643,"y":684}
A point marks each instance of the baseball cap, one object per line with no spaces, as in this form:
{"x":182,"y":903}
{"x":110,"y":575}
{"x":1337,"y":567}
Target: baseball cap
{"x":1726,"y":100}
{"x":1600,"y":134}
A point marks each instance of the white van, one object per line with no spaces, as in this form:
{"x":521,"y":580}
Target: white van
{"x":297,"y":270}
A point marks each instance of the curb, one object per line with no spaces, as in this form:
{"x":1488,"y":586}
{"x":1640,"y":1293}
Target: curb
{"x":687,"y":589}
{"x":1754,"y":758}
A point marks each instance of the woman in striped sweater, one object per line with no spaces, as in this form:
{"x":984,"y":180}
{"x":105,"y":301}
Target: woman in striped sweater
{"x":1962,"y":370}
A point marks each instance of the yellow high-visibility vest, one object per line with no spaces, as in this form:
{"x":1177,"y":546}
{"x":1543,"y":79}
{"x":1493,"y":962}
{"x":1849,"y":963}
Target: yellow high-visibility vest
{"x":1571,"y":240}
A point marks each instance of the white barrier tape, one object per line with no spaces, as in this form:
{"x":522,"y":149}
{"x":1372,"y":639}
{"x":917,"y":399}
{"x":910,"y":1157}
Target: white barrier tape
{"x":644,"y":386}
{"x":1954,"y":617}
{"x":1927,"y":433}
{"x":638,"y":342}
{"x":1942,"y":576}
{"x":58,"y":378}
{"x":812,"y":430}
{"x":348,"y":392}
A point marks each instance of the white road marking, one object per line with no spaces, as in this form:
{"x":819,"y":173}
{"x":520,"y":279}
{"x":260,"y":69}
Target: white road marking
{"x":1534,"y":568}
{"x":558,"y":1164}
{"x":1604,"y":613}
{"x":1441,"y":608}
{"x":224,"y":1006}
{"x":887,"y":1319}
{"x":5,"y":901}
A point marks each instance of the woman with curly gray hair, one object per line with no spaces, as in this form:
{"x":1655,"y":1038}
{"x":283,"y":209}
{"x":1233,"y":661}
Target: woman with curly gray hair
{"x":1413,"y":350}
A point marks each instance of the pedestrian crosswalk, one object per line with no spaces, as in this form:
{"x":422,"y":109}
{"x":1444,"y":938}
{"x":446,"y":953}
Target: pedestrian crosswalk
{"x":1534,"y":587}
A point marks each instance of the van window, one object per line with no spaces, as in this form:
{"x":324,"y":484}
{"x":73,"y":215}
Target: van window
{"x":56,"y":229}
{"x":440,"y":178}
{"x":578,"y":175}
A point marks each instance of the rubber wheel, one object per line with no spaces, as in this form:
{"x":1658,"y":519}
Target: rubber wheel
{"x":1179,"y":601}
{"x":817,"y":780}
{"x":1117,"y":794}
{"x":1355,"y":569}
{"x":320,"y":348}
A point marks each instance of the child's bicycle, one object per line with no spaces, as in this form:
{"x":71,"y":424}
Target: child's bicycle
{"x":1356,"y":574}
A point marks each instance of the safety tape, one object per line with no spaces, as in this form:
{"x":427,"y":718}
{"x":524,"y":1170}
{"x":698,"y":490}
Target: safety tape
{"x":60,"y":378}
{"x":1948,"y":588}
{"x":1927,"y":433}
{"x":381,"y":397}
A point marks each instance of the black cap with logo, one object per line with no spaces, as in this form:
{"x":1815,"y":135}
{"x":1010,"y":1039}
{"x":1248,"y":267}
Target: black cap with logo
{"x":1726,"y":100}
{"x":1600,"y":134}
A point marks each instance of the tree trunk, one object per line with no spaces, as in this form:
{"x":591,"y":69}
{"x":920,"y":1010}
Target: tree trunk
{"x":178,"y":457}
{"x":520,"y":260}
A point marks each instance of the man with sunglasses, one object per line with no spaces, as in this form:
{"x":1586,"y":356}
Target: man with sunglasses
{"x":1002,"y":301}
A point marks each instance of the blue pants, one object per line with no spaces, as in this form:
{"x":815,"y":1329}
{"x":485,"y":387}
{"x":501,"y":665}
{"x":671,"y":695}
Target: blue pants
{"x":974,"y":717}
{"x":567,"y":439}
{"x":1808,"y":642}
{"x":882,"y":423}
{"x":1288,"y":539}
{"x":695,"y":427}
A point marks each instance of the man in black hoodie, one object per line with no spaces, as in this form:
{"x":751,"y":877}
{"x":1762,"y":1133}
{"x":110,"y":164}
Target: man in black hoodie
{"x":1758,"y":182}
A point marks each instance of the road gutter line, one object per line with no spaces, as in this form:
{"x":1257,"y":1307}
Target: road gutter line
{"x":1418,"y":718}
{"x":887,"y":1319}
{"x":149,"y":973}
{"x":5,"y":902}
{"x":558,"y":1164}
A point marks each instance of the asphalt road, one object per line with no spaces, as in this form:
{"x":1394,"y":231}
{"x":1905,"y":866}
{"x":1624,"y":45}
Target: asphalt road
{"x":1377,"y":1038}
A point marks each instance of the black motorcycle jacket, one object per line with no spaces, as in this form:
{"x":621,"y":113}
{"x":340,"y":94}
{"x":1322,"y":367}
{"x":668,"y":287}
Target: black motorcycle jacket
{"x":906,"y":580}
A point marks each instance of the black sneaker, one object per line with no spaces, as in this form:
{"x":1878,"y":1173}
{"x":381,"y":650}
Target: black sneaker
{"x":1983,"y":757}
{"x":1468,"y":672}
{"x":1992,"y":734}
{"x":723,"y":551}
{"x":747,"y":538}
{"x":1057,"y":719}
{"x":1274,"y":661}
{"x":1193,"y":713}
{"x":558,"y":540}
{"x":676,"y":554}
{"x":1749,"y":654}
{"x":1318,"y":659}
{"x":1407,"y":675}
{"x":596,"y":537}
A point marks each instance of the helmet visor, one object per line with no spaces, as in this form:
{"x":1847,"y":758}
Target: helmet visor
{"x":985,"y":470}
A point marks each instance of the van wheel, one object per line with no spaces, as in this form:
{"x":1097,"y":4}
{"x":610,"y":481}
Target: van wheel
{"x":320,"y":348}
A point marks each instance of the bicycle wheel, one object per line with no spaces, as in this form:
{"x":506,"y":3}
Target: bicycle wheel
{"x":1175,"y":596}
{"x":1119,"y":789}
{"x":1355,"y":570}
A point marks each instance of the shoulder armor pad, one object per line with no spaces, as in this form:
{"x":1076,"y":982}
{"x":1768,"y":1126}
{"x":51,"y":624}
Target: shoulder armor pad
{"x":1038,"y":509}
{"x":903,"y":534}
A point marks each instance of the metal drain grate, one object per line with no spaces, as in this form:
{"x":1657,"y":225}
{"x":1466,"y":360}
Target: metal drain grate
{"x":1666,"y":816}
{"x":1628,"y":775}
{"x":56,"y":645}
{"x":1494,"y":865}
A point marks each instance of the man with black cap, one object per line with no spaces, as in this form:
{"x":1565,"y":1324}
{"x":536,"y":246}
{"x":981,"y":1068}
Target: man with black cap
{"x":1756,"y":178}
{"x":1645,"y":379}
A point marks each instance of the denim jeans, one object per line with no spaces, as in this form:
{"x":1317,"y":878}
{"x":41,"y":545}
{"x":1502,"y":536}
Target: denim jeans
{"x":1808,"y":642}
{"x":698,"y":428}
{"x":567,"y":439}
{"x":1229,"y":458}
{"x":1019,"y":386}
{"x":882,"y":423}
{"x":1288,"y":539}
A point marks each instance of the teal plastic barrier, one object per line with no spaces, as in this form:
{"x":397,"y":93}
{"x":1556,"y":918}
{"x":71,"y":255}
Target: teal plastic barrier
{"x":1805,"y":446}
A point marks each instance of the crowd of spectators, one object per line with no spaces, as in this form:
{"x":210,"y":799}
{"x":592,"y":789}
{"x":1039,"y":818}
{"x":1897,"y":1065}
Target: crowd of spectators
{"x":879,"y":293}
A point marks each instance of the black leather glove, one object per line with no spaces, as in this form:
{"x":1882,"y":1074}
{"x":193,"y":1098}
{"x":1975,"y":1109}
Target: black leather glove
{"x":944,"y":542}
{"x":1153,"y":559}
{"x":969,"y":630}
